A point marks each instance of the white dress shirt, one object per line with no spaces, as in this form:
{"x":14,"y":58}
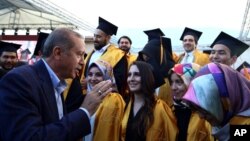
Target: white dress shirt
{"x":188,"y":58}
{"x":97,"y":54}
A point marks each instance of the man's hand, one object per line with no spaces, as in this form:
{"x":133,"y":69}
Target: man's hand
{"x":95,"y":97}
{"x":84,"y":84}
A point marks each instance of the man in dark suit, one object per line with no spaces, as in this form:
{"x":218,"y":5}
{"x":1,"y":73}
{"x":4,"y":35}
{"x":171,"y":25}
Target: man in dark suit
{"x":30,"y":96}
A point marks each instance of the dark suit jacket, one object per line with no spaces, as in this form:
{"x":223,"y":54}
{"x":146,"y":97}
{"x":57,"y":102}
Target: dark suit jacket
{"x":29,"y":112}
{"x":2,"y":72}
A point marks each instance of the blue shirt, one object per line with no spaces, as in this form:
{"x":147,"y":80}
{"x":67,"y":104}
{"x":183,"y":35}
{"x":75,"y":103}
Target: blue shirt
{"x":59,"y":86}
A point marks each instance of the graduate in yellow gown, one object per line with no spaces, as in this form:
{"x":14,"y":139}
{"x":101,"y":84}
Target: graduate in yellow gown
{"x":125,"y":43}
{"x":220,"y":94}
{"x":105,"y":123}
{"x":190,"y":39}
{"x":109,"y":52}
{"x":146,"y":118}
{"x":191,"y":126}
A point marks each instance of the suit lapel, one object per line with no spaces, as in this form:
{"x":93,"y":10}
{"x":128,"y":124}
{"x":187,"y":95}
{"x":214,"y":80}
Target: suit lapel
{"x":47,"y":88}
{"x":64,"y":106}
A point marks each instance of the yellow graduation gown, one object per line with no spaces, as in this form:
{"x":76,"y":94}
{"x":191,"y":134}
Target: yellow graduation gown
{"x":113,"y":55}
{"x":65,"y":92}
{"x":131,"y":58}
{"x":108,"y":118}
{"x":163,"y":127}
{"x":199,"y":58}
{"x":165,"y":93}
{"x":199,"y":129}
{"x":240,"y":120}
{"x":175,"y":57}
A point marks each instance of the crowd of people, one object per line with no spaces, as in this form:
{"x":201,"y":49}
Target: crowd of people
{"x":110,"y":94}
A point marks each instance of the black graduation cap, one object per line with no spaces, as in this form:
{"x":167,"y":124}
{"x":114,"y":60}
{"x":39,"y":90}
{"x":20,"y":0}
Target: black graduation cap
{"x":152,"y":49}
{"x":188,"y":31}
{"x":26,"y":51}
{"x":207,"y":51}
{"x":107,"y":27}
{"x":155,"y":50}
{"x":24,"y":54}
{"x":10,"y":47}
{"x":154,"y":33}
{"x":40,"y":41}
{"x":236,"y":46}
{"x":244,"y":64}
{"x":166,"y":42}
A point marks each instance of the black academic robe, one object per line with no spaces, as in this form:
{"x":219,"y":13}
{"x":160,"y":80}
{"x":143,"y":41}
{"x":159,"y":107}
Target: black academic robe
{"x":132,"y":132}
{"x":183,"y":115}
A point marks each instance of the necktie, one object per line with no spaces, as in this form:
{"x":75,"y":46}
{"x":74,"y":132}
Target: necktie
{"x":186,"y":58}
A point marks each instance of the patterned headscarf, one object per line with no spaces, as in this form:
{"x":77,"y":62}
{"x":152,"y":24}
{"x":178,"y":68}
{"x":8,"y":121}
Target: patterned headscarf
{"x":106,"y":70}
{"x":186,"y":71}
{"x":220,"y":90}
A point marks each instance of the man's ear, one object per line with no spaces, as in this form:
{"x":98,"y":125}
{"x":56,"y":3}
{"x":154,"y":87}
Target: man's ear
{"x":233,"y":59}
{"x":57,"y":52}
{"x":108,"y":37}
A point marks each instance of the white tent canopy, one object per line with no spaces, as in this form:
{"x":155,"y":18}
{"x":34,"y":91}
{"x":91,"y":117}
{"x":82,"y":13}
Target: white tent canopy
{"x":34,"y":14}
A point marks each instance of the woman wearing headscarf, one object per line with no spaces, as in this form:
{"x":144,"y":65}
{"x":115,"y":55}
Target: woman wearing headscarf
{"x":105,"y":123}
{"x":221,"y":95}
{"x":146,"y":118}
{"x":191,"y":126}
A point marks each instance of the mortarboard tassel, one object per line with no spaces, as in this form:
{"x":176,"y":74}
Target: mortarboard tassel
{"x":161,"y":51}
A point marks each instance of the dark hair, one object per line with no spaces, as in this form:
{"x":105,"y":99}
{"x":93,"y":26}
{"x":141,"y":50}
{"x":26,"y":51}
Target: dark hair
{"x":61,"y":37}
{"x":170,"y":73}
{"x":146,"y":117}
{"x":126,"y":37}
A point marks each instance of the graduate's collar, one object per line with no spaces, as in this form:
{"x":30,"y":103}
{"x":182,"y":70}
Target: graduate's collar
{"x":103,"y":48}
{"x":189,"y":53}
